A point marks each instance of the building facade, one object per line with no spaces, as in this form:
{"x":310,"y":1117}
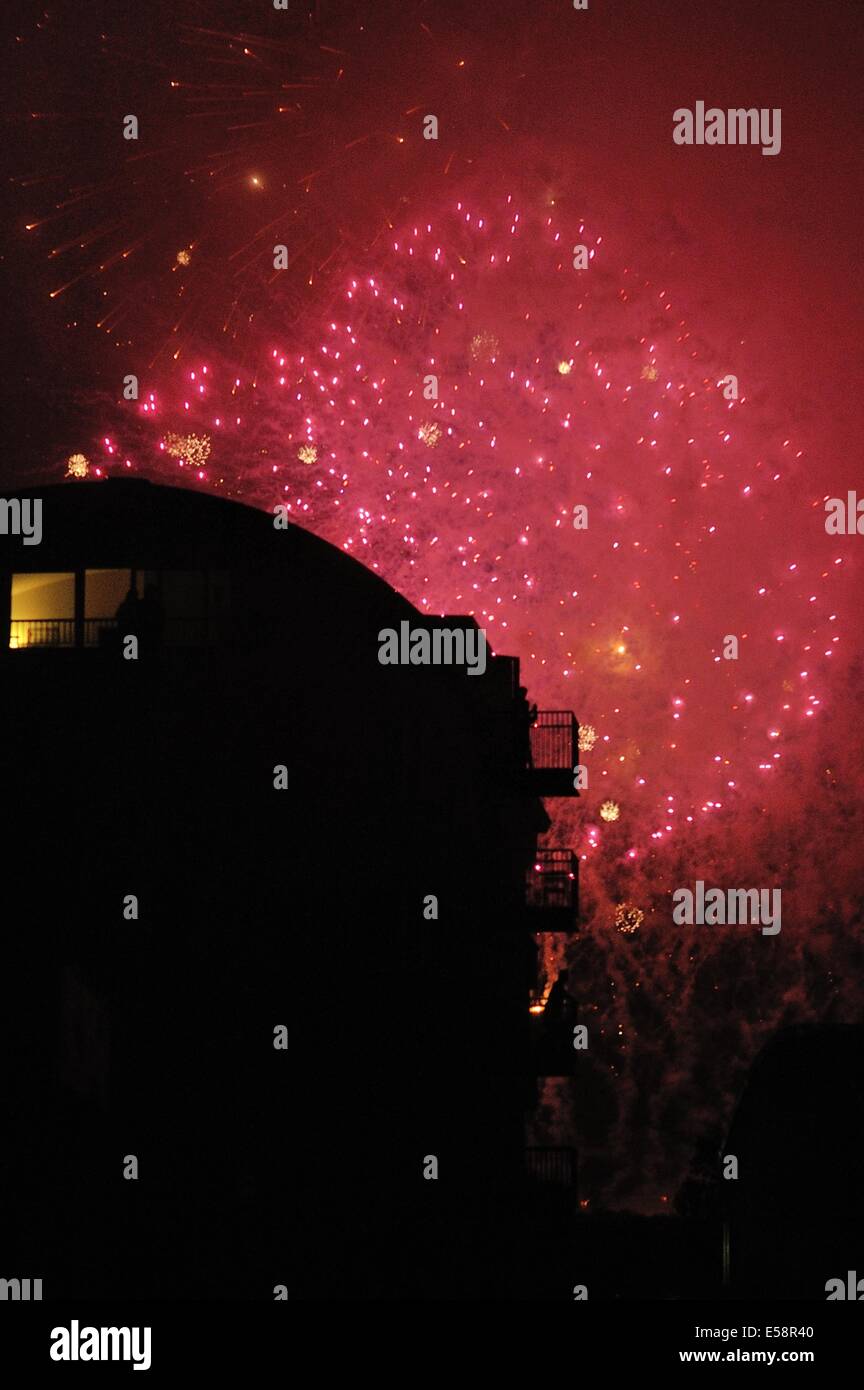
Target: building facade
{"x":276,"y":913}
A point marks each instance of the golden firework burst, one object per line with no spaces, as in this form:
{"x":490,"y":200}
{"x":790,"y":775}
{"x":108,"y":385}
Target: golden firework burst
{"x":628,"y":918}
{"x":484,"y":346}
{"x":610,"y":810}
{"x":565,"y":368}
{"x":587,"y":737}
{"x":307,"y":453}
{"x":77,"y":466}
{"x":191,"y":449}
{"x":649,"y":373}
{"x":430,"y":434}
{"x":183,"y":257}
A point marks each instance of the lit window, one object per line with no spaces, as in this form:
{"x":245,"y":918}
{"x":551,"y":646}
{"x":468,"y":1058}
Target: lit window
{"x":43,"y":610}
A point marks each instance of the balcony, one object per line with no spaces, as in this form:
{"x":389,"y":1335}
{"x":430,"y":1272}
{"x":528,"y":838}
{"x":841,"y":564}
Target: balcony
{"x":43,"y":634}
{"x":554,"y":1167}
{"x":552,"y":891}
{"x":58,"y":632}
{"x":554,"y":745}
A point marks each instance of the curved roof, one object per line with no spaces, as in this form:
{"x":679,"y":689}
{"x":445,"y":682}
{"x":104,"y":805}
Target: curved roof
{"x":132,"y":523}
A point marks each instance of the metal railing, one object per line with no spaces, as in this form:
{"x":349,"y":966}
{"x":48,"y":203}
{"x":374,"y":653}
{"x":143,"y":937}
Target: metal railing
{"x":556,"y":1166}
{"x":551,"y":882}
{"x":98,"y":632}
{"x":42,"y":632}
{"x":555,"y":740}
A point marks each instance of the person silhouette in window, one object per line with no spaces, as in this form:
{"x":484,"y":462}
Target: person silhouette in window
{"x":152,"y":618}
{"x":128,"y":614}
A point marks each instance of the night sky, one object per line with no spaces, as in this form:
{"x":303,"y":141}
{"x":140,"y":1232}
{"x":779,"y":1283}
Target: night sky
{"x":557,"y":388}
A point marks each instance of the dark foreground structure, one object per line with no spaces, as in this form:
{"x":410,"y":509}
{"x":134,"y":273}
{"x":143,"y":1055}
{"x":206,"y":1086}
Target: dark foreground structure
{"x":269,"y":942}
{"x":796,"y":1211}
{"x":276,"y":904}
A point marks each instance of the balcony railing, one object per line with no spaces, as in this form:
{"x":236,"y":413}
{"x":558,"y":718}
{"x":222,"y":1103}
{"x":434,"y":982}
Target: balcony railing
{"x":554,"y":741}
{"x":25,"y":633}
{"x":552,"y":890}
{"x":42,"y":632}
{"x":556,"y":1167}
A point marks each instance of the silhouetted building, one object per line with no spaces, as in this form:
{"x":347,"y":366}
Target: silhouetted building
{"x":177,"y":907}
{"x":796,"y":1210}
